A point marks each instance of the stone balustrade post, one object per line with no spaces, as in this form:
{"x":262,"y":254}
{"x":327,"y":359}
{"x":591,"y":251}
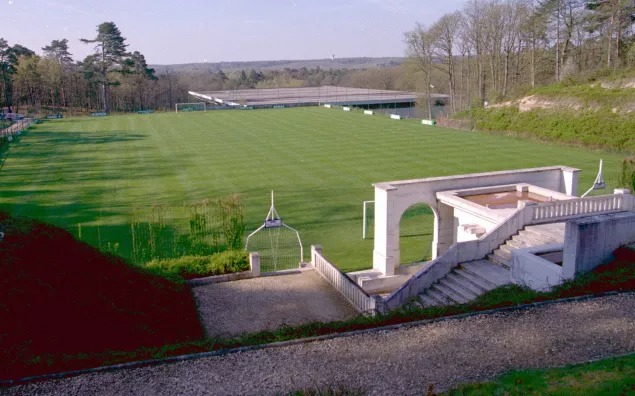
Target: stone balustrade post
{"x":254,"y":264}
{"x":315,"y":249}
{"x":629,"y":198}
{"x":528,"y":212}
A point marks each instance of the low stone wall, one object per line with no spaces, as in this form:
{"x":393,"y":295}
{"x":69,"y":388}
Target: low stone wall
{"x":529,"y":269}
{"x":590,"y":241}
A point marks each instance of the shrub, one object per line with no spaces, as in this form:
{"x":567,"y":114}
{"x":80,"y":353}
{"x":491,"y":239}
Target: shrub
{"x":627,"y":175}
{"x":229,"y":261}
{"x":187,"y":267}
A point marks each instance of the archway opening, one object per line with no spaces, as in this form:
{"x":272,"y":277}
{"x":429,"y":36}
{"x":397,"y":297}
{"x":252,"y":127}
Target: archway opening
{"x":416,"y":231}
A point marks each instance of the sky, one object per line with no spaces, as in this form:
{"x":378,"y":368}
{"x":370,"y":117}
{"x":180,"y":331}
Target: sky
{"x":187,"y":31}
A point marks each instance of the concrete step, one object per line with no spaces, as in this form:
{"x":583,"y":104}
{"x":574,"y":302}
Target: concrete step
{"x":507,"y":249}
{"x":459,"y":288}
{"x":477,"y":280}
{"x":532,"y":239}
{"x":465,"y":283}
{"x":439,"y":296}
{"x":554,"y":231}
{"x":499,"y":260}
{"x":453,"y":295}
{"x":487,"y":270}
{"x":517,"y":243}
{"x":426,"y":301}
{"x":504,"y":254}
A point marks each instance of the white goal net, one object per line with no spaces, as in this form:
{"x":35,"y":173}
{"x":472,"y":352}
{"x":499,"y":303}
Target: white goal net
{"x":278,"y":245}
{"x":187,"y":107}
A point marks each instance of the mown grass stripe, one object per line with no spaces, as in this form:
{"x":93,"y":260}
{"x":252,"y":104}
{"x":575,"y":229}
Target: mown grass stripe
{"x":320,"y":162}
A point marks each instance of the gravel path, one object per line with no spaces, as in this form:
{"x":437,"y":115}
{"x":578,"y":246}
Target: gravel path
{"x":266,"y":303}
{"x":389,"y":362}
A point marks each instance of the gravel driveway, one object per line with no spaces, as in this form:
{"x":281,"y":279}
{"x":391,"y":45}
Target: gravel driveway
{"x":266,"y":303}
{"x":389,"y":362}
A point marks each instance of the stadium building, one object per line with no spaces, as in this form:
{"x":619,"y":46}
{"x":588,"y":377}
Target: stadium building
{"x":389,"y":102}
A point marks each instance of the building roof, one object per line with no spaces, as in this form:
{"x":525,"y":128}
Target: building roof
{"x":309,"y":96}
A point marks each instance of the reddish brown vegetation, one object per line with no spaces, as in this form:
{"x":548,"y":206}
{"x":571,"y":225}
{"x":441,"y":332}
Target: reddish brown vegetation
{"x":61,"y":297}
{"x":618,"y":275}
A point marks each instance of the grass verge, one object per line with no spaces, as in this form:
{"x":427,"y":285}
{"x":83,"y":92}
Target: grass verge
{"x":614,"y":376}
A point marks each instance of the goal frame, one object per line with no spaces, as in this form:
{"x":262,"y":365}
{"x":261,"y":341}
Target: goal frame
{"x":176,"y":106}
{"x":364,"y":217}
{"x":273,"y":220}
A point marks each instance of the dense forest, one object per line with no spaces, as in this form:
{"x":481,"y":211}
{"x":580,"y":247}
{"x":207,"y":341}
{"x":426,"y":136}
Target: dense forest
{"x":487,"y":51}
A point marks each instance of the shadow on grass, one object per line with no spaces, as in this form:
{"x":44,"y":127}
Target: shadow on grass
{"x":82,"y":137}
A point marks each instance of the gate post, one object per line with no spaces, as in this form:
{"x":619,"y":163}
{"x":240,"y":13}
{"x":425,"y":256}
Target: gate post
{"x":254,"y":264}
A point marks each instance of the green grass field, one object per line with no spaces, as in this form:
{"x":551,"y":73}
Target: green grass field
{"x":320,"y":163}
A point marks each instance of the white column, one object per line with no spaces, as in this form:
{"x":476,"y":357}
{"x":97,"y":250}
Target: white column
{"x":570,"y":181}
{"x":386,"y":250}
{"x":444,"y":229}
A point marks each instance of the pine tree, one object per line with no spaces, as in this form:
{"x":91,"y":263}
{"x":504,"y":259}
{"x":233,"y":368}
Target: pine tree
{"x":7,"y":67}
{"x":142,"y":73}
{"x":57,"y":52}
{"x":8,"y":63}
{"x":110,"y":53}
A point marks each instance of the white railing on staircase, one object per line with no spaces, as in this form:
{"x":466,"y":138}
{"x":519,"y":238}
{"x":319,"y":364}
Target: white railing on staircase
{"x":570,"y":209}
{"x":549,"y":212}
{"x":361,"y":300}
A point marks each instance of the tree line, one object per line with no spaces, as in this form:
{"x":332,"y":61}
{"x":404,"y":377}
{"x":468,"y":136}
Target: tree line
{"x":493,"y":49}
{"x":487,"y":51}
{"x":113,"y":78}
{"x":55,"y":81}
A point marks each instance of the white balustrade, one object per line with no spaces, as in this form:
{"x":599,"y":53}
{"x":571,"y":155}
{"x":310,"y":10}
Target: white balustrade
{"x":342,"y":283}
{"x":570,"y":209}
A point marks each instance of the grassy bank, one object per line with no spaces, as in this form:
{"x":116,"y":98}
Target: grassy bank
{"x":601,"y":129}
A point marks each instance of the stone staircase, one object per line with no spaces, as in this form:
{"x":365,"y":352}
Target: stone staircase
{"x":471,"y":279}
{"x":531,"y":236}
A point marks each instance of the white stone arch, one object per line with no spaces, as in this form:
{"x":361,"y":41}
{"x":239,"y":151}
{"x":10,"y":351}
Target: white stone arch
{"x":435,"y":214}
{"x":392,"y":199}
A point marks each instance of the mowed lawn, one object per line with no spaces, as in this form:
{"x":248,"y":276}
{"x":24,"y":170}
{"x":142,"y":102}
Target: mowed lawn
{"x":89,"y":172}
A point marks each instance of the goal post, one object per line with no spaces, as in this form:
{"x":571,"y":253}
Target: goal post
{"x":278,"y":244}
{"x":368,"y":216}
{"x":187,"y":107}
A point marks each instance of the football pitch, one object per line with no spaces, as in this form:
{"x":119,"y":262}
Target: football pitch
{"x":88,"y":174}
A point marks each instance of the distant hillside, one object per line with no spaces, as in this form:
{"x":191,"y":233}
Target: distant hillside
{"x":337,"y":63}
{"x":599,"y":113}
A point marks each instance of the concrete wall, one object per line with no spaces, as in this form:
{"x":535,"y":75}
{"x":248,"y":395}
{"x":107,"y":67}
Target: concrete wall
{"x":590,"y":241}
{"x":532,"y":271}
{"x":392,"y":199}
